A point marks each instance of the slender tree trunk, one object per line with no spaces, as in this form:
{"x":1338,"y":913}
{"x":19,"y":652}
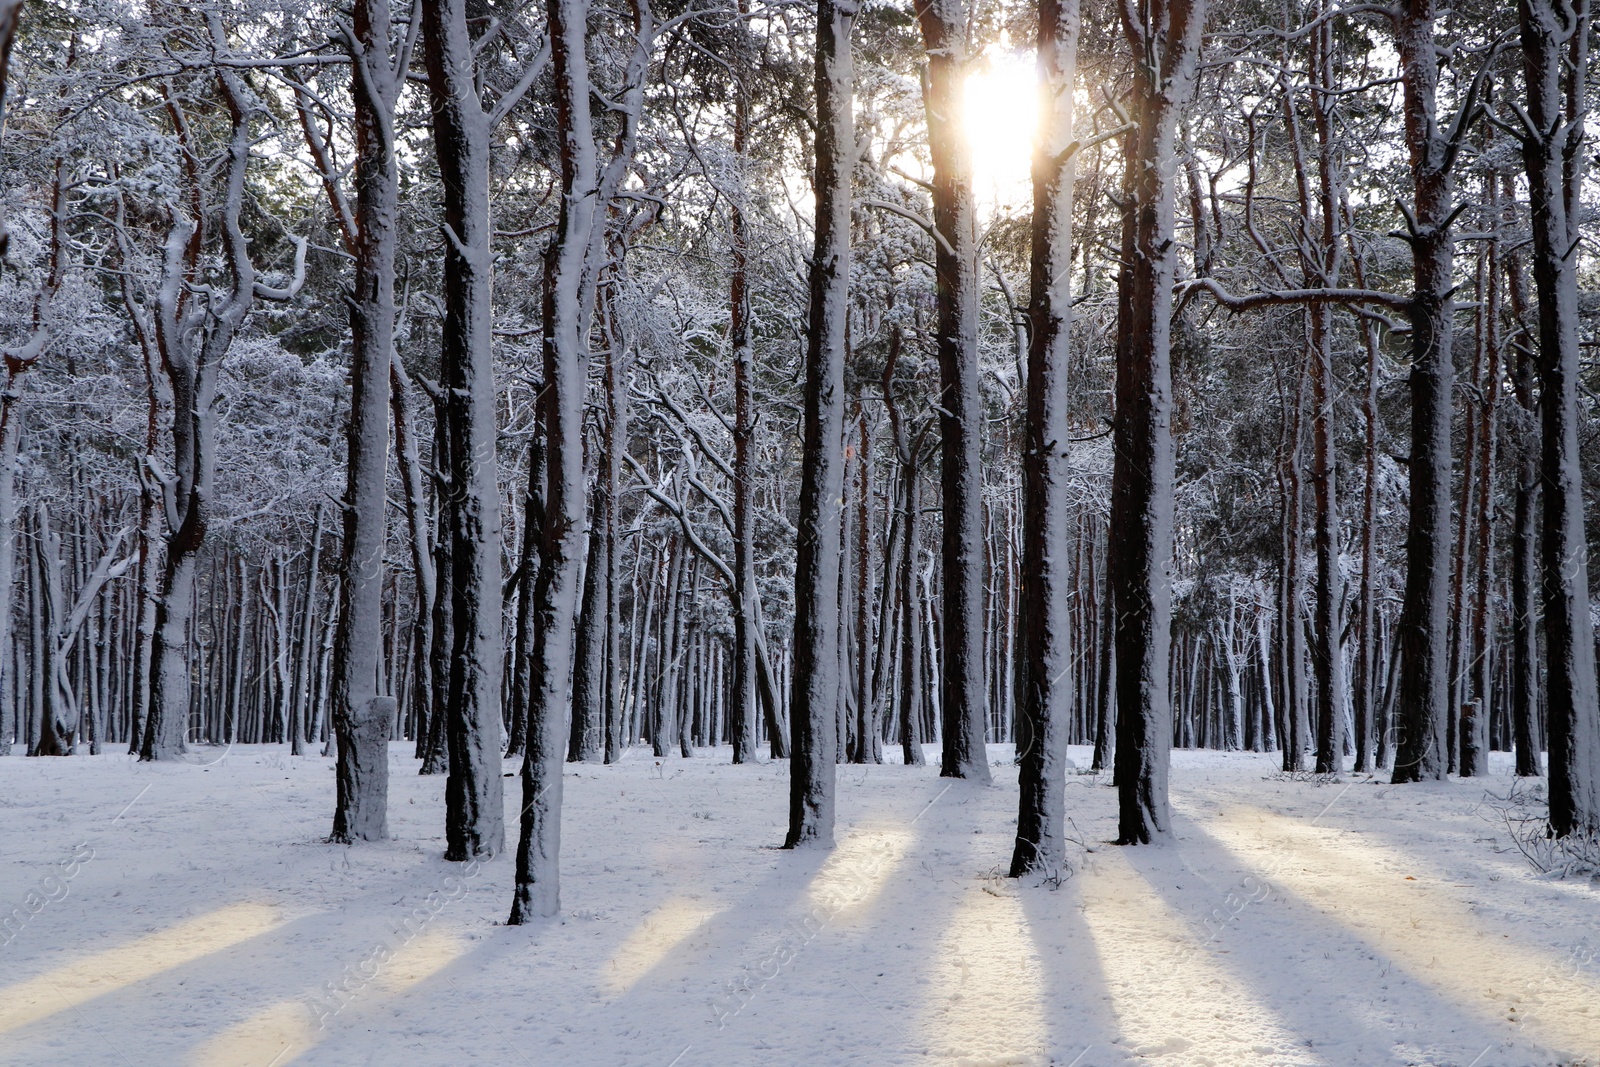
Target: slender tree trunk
{"x":1047,"y":585}
{"x":567,"y":316}
{"x":527,"y":574}
{"x":361,"y":802}
{"x":1475,"y":732}
{"x":1105,"y":698}
{"x":964,"y":707}
{"x":911,"y":654}
{"x":868,"y":748}
{"x":1524,"y":535}
{"x":474,"y":810}
{"x":1424,"y":629}
{"x":1328,"y":257}
{"x":419,"y":541}
{"x":586,"y":742}
{"x":302,"y":645}
{"x":814,"y":693}
{"x":1555,"y":50}
{"x":616,"y":387}
{"x":744,"y":428}
{"x":436,"y":754}
{"x":1165,"y":38}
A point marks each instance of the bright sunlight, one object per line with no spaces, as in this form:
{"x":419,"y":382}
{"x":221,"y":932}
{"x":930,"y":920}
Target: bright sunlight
{"x":1002,"y":109}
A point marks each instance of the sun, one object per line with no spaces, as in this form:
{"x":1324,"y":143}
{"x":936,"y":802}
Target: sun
{"x":1001,"y":119}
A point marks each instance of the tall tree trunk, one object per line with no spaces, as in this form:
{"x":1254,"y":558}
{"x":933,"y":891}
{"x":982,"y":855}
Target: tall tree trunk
{"x":814,"y":686}
{"x":566,"y":361}
{"x":1165,"y":38}
{"x":1424,"y":629}
{"x":1555,"y":51}
{"x":964,"y":708}
{"x":744,"y":425}
{"x":1475,"y":734}
{"x":361,"y":801}
{"x":1047,"y":582}
{"x":1328,"y":261}
{"x":1524,"y":532}
{"x":474,"y":810}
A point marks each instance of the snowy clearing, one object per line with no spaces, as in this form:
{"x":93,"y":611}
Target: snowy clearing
{"x":1291,"y":923}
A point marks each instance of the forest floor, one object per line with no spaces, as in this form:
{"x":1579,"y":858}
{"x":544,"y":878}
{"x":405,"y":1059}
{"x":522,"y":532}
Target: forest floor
{"x":192,"y":914}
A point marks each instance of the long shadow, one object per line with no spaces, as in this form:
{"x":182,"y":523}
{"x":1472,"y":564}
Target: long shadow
{"x":1078,"y":1016}
{"x":890,"y":962}
{"x":1325,"y":981}
{"x":700,"y":1000}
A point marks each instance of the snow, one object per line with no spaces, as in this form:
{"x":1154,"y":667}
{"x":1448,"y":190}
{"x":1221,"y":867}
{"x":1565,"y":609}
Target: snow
{"x":191,"y":913}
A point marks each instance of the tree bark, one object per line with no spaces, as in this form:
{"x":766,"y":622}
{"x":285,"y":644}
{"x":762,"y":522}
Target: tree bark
{"x":744,"y":428}
{"x":1524,"y":535}
{"x":474,"y":809}
{"x":1474,"y":734}
{"x":814,"y":686}
{"x":360,"y":808}
{"x":566,"y":360}
{"x":1047,"y":582}
{"x":1165,"y":38}
{"x":964,"y":707}
{"x":1327,"y":258}
{"x":1424,"y":631}
{"x":1555,"y":50}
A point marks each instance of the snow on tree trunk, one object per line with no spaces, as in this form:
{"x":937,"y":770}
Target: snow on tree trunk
{"x":436,"y":753}
{"x":1555,"y":50}
{"x":1422,"y":708}
{"x":744,"y":535}
{"x":1105,"y":697}
{"x":527,"y":574}
{"x":419,"y":543}
{"x":589,"y":675}
{"x":1165,"y":35}
{"x":363,"y":772}
{"x":964,"y":708}
{"x":1047,"y":581}
{"x":474,"y":812}
{"x":1475,"y":739}
{"x":361,"y":804}
{"x":616,"y":444}
{"x":815,"y":684}
{"x":1290,"y":675}
{"x":1325,"y":261}
{"x":1524,"y":536}
{"x":566,"y":357}
{"x":1366,"y":660}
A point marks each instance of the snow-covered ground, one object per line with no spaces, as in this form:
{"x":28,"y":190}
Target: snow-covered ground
{"x":188,"y":914}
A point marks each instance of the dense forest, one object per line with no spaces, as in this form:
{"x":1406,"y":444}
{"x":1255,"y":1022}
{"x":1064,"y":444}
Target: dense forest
{"x":546,"y":380}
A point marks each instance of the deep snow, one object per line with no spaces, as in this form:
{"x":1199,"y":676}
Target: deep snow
{"x":190,"y":914}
